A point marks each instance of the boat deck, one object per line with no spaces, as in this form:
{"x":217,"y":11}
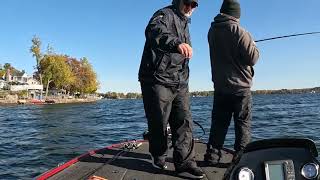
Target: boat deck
{"x":119,"y":163}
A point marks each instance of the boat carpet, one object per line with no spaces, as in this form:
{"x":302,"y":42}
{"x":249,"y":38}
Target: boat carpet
{"x":119,"y":163}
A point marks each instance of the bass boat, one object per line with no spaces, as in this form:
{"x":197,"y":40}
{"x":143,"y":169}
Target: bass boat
{"x":269,"y":159}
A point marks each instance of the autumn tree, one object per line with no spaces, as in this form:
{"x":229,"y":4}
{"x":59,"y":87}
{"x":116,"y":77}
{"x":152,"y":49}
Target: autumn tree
{"x":76,"y":69}
{"x":36,"y":52}
{"x":74,"y":75}
{"x":86,"y":78}
{"x":35,"y":49}
{"x":90,"y":77}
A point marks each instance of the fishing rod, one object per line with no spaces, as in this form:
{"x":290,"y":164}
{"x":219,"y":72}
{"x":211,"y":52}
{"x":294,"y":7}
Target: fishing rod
{"x":280,"y":37}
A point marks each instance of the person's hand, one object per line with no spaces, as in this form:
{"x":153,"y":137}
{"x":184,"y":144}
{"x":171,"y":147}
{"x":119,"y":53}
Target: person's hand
{"x":185,"y":49}
{"x":254,"y":43}
{"x":250,"y":36}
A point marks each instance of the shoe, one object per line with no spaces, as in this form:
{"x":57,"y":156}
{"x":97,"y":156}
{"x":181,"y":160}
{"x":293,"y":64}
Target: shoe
{"x":192,"y":169}
{"x":159,"y":163}
{"x":237,"y":156}
{"x":212,"y":157}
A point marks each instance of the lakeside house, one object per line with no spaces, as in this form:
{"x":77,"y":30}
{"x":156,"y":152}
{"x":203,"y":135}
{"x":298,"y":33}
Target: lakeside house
{"x":2,"y":83}
{"x":19,"y":87}
{"x":21,"y":82}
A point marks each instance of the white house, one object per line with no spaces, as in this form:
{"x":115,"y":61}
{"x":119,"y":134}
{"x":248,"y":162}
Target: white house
{"x":21,"y":79}
{"x":2,"y":83}
{"x":18,"y":82}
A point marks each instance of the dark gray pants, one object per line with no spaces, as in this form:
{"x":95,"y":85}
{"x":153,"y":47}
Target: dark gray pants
{"x":165,"y":105}
{"x":224,"y":107}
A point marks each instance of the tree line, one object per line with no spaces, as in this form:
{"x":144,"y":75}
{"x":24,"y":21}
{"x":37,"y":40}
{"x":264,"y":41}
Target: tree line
{"x":288,"y":91}
{"x":8,"y":66}
{"x":62,"y":71}
{"x":115,"y":95}
{"x":130,"y":95}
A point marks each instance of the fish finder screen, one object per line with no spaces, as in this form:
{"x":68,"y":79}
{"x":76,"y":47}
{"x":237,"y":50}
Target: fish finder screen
{"x":276,"y":171}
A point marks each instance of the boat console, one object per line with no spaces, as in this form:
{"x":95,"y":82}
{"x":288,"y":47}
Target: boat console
{"x":276,"y":159}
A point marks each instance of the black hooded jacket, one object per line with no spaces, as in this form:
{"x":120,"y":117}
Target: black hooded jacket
{"x":161,"y":62}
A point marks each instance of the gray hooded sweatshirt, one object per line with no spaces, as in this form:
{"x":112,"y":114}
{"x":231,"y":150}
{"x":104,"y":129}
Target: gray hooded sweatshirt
{"x":233,"y":54}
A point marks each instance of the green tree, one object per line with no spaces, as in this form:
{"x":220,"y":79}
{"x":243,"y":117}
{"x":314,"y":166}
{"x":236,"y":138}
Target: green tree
{"x":7,"y":66}
{"x":23,"y":94}
{"x":56,"y":70}
{"x":2,"y":72}
{"x":13,"y":71}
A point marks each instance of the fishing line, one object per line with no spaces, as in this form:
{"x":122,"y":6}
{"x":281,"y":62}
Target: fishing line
{"x":280,"y":37}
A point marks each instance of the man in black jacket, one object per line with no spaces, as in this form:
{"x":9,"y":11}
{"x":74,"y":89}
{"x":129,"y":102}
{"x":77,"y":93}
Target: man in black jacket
{"x":233,"y":54}
{"x":164,"y":76}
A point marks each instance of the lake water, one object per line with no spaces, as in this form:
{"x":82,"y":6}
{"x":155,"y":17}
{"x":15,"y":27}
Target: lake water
{"x":35,"y":138}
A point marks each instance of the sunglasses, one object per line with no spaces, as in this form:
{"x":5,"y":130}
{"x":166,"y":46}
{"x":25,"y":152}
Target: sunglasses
{"x":192,"y":4}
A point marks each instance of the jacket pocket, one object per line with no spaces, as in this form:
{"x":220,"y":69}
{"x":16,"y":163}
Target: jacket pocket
{"x":162,"y":63}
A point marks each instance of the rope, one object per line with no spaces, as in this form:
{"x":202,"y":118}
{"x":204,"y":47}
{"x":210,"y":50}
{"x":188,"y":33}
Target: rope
{"x":204,"y":131}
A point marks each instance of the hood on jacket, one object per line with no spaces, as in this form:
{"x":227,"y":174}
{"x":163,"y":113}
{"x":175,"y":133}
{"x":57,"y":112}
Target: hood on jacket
{"x":178,"y":6}
{"x":221,"y":18}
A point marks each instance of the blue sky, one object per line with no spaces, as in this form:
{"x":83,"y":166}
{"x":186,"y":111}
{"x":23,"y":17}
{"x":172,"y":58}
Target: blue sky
{"x":111,"y":35}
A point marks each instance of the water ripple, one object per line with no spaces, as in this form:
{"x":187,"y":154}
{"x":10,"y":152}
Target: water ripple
{"x":36,"y":138}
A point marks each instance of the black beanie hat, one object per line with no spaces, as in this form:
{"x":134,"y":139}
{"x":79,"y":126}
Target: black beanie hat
{"x":231,"y":7}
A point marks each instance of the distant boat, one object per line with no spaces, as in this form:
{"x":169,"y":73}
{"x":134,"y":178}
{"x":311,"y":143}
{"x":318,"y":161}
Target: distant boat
{"x":36,"y":101}
{"x":270,"y":159}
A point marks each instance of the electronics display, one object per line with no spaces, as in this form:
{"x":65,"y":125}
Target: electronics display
{"x":279,"y":170}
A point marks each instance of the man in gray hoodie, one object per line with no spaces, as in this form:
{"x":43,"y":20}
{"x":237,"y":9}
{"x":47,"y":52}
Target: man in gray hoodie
{"x":233,"y":54}
{"x":164,"y":76}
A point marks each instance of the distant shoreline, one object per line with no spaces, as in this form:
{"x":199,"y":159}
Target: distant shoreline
{"x":115,"y":95}
{"x":44,"y":102}
{"x":289,"y":91}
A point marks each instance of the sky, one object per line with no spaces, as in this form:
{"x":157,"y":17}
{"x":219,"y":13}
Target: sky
{"x":111,"y":35}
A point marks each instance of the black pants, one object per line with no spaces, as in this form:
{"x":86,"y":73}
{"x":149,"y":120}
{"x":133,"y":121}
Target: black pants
{"x":224,"y":107}
{"x":165,"y":105}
